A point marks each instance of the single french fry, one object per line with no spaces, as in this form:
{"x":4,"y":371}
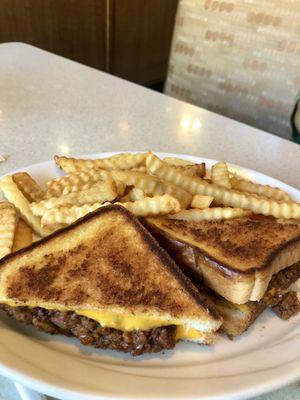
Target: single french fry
{"x":23,"y":236}
{"x":67,"y":215}
{"x":152,"y":185}
{"x":118,"y":161}
{"x":28,"y":186}
{"x":151,"y":206}
{"x":200,"y":201}
{"x":8,"y":223}
{"x":98,"y":193}
{"x":54,"y":227}
{"x":75,"y":182}
{"x":120,"y":186}
{"x":193,"y":170}
{"x":15,"y":196}
{"x":210,"y":214}
{"x":134,"y":195}
{"x":142,"y":168}
{"x":174,"y":161}
{"x":164,"y":171}
{"x":220,"y":175}
{"x":263,"y":190}
{"x":186,"y":167}
{"x":226,"y":197}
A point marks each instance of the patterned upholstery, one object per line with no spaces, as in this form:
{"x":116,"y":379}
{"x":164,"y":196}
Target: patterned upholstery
{"x":239,"y":58}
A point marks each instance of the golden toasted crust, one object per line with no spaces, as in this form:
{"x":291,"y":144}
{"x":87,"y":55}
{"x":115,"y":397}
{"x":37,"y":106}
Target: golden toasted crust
{"x":240,"y":245}
{"x":237,"y":258}
{"x":106,"y":260}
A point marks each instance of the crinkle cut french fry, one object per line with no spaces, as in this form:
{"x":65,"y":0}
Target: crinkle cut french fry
{"x":174,"y":161}
{"x":23,"y":236}
{"x":151,"y":206}
{"x":8,"y":223}
{"x":186,"y":167}
{"x":142,"y":168}
{"x":28,"y":186}
{"x":134,"y":195}
{"x":192,"y":170}
{"x":118,"y":161}
{"x":199,"y":201}
{"x":15,"y":196}
{"x":212,"y":213}
{"x":98,"y":193}
{"x":152,"y":185}
{"x":226,"y":197}
{"x":75,"y":182}
{"x":220,"y":175}
{"x":161,"y":170}
{"x":67,"y":215}
{"x":263,"y":190}
{"x":121,"y":187}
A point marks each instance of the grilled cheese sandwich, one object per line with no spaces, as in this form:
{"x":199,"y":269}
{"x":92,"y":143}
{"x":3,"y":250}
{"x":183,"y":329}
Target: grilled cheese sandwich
{"x":246,"y":265}
{"x":106,"y":269}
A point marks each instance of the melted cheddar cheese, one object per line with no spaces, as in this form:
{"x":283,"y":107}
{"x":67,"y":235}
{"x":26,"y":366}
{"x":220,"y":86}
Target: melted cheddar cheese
{"x":123,"y":322}
{"x":187,"y":333}
{"x":126,"y":322}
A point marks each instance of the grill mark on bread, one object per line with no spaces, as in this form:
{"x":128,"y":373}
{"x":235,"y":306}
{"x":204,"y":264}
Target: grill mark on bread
{"x":36,"y":281}
{"x":122,"y":268}
{"x":79,"y":270}
{"x":78,"y":295}
{"x":109,"y":289}
{"x":207,"y":232}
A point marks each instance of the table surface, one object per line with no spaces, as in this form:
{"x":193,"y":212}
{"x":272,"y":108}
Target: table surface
{"x":50,"y":105}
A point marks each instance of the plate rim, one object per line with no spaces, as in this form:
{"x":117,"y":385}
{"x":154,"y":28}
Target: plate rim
{"x":36,"y":383}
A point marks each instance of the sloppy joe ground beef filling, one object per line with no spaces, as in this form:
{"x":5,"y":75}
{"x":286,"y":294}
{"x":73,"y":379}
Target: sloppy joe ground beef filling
{"x":287,"y":306}
{"x":90,"y":332}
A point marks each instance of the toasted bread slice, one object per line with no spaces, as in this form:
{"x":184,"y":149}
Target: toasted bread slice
{"x":236,"y":258}
{"x":105,"y":262}
{"x":237,"y":318}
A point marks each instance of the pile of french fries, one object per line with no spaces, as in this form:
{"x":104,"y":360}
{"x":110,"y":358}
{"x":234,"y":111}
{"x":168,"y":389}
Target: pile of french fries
{"x":142,"y":183}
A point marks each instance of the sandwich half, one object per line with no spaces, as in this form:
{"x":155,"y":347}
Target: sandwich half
{"x":245,"y":264}
{"x":105,"y":280}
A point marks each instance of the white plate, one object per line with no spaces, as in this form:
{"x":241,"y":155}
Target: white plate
{"x":263,"y":359}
